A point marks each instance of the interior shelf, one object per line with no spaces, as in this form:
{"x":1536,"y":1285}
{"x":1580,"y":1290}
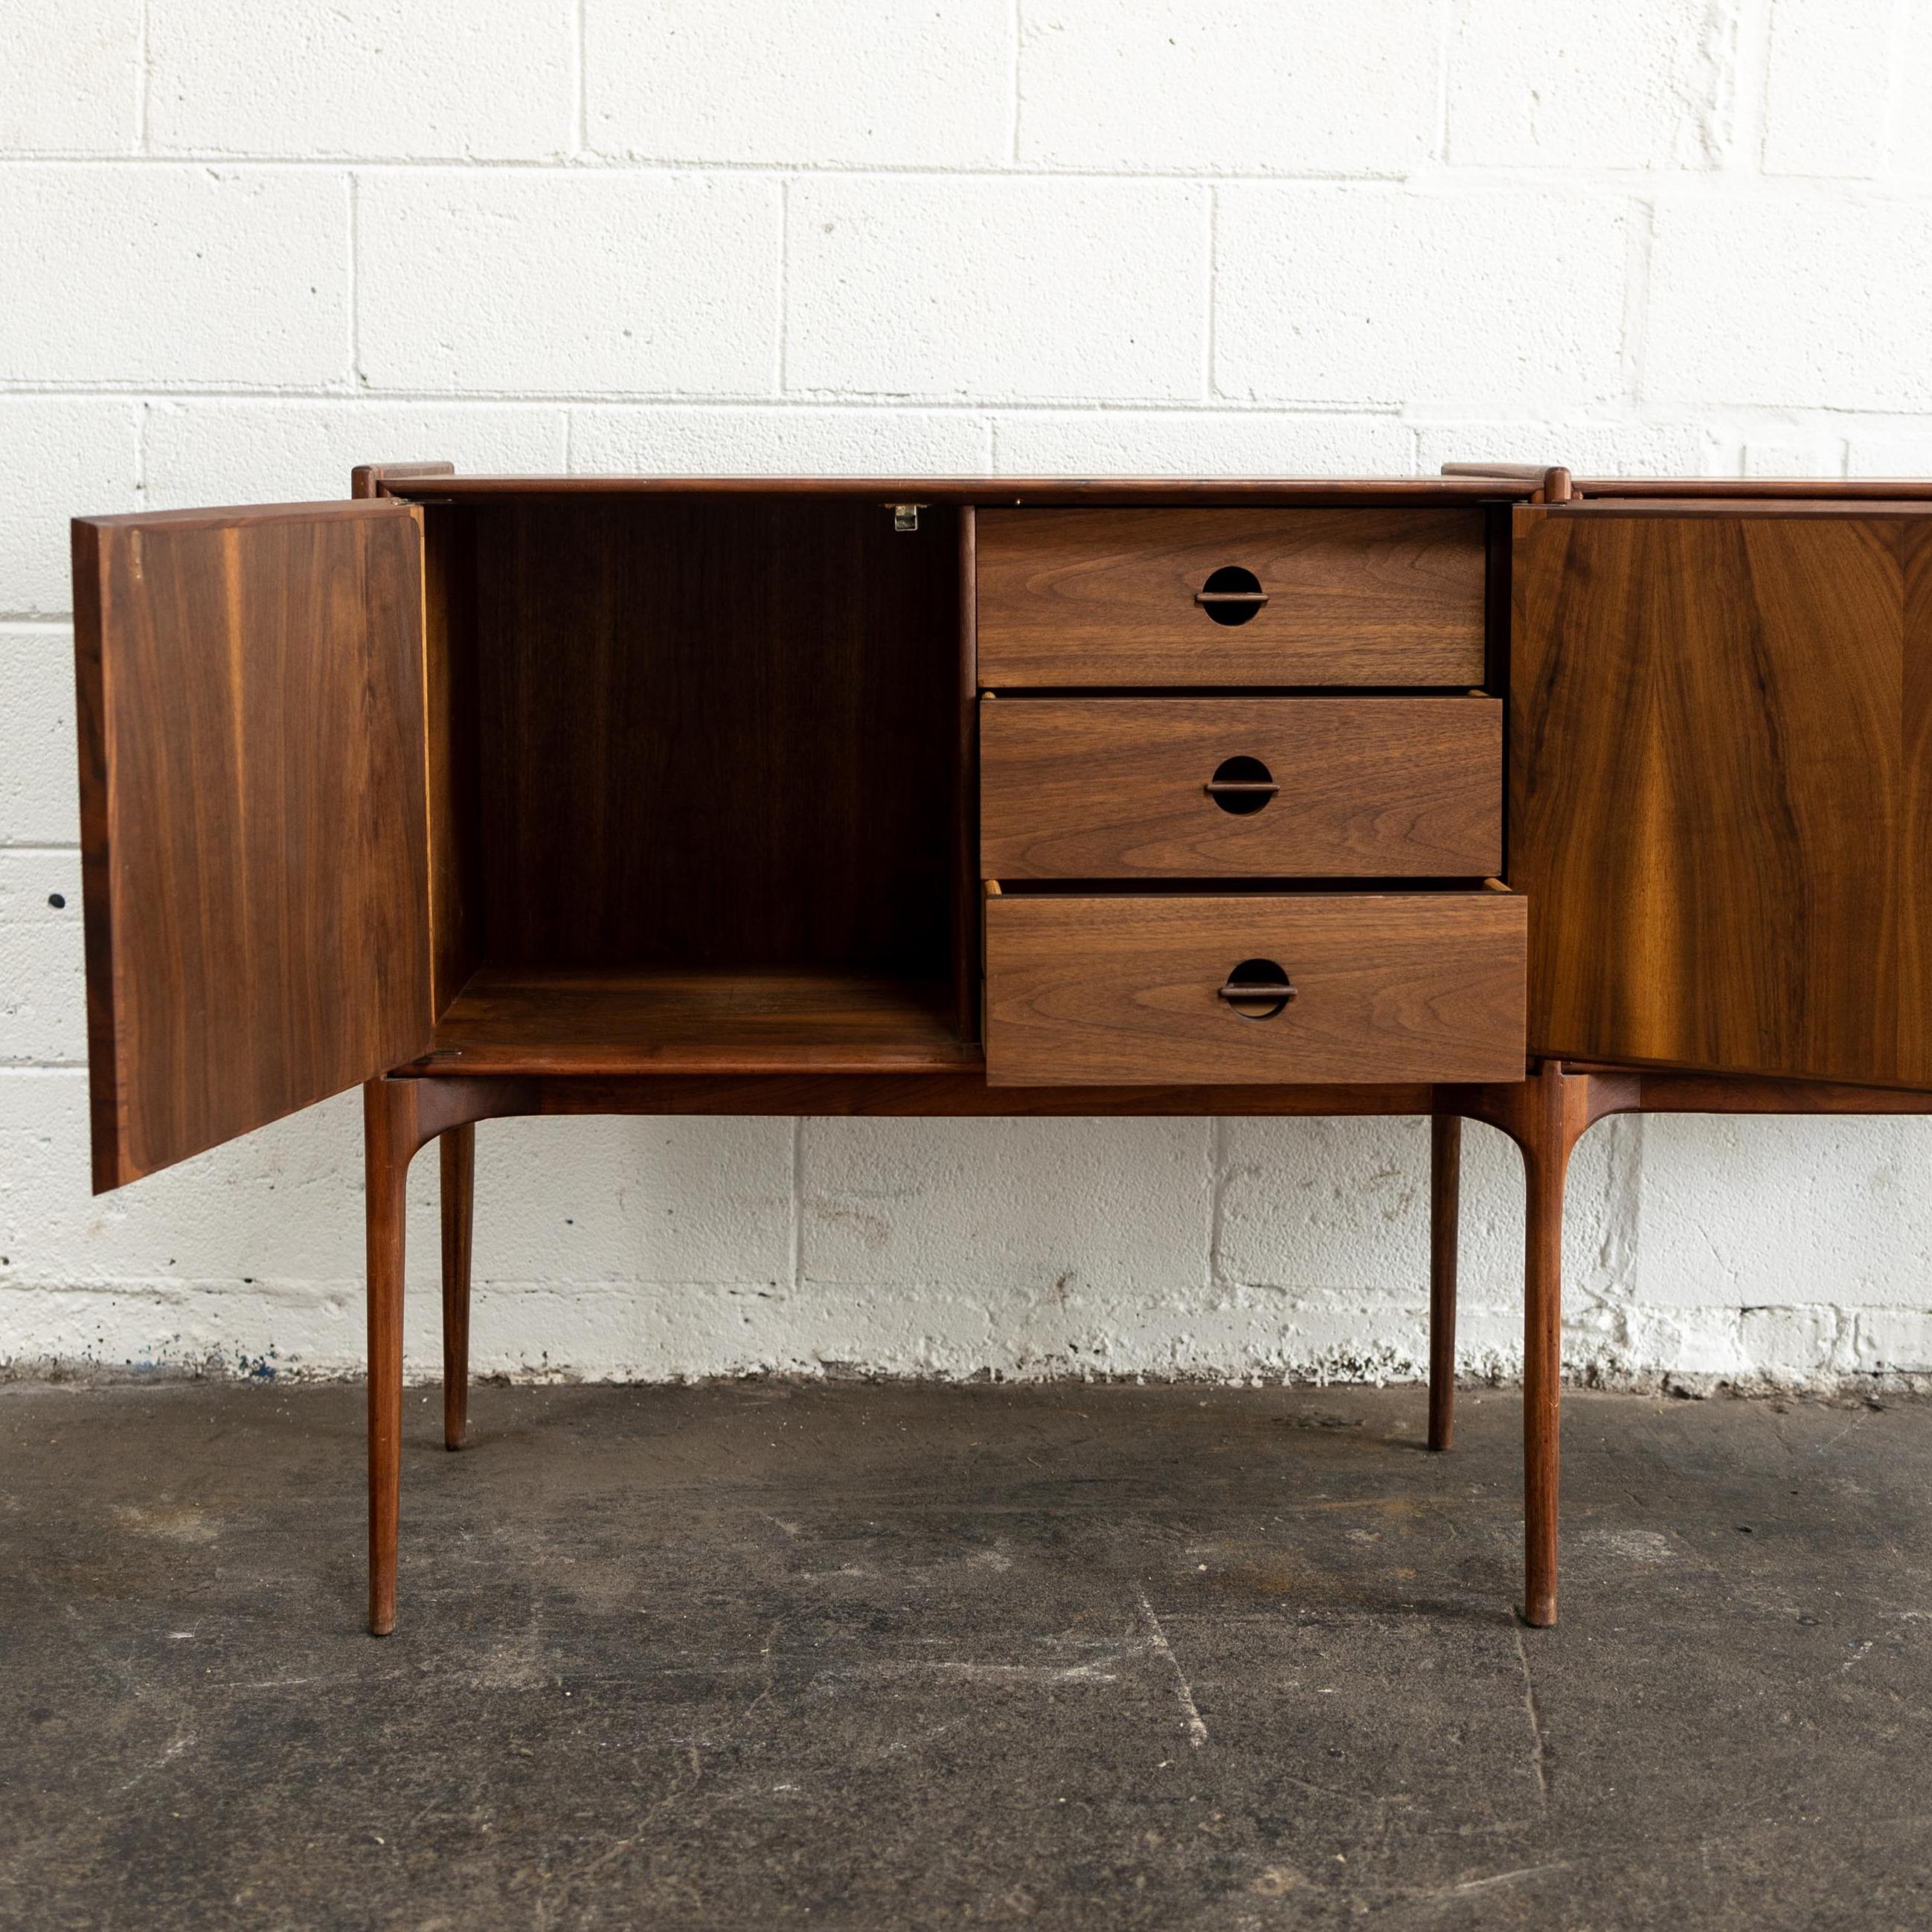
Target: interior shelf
{"x":529,"y":1021}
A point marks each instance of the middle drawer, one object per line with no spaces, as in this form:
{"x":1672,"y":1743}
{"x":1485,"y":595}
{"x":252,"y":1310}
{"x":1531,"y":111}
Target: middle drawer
{"x":1227,"y":788}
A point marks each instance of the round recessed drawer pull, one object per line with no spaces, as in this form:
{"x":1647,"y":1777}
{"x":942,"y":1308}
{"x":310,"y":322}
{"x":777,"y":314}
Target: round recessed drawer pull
{"x":1257,"y":989}
{"x":1241,"y":785}
{"x":1231,"y":596}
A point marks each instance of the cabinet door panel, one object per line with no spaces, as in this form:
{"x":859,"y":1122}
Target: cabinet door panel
{"x":252,"y":816}
{"x":1721,"y":787}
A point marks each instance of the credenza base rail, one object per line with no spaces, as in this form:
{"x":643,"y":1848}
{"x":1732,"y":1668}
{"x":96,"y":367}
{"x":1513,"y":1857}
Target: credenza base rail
{"x":1546,"y":1115}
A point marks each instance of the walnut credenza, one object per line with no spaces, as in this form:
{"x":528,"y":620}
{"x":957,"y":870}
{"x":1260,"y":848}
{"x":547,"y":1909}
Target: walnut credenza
{"x":1500,"y":797}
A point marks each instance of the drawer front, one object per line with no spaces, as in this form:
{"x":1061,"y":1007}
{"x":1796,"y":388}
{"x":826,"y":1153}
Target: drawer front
{"x":1101,"y":991}
{"x":1255,"y":788}
{"x":1291,"y":597}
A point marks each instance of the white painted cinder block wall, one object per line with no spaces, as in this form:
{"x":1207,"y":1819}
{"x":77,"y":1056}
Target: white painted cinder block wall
{"x":244,"y":247}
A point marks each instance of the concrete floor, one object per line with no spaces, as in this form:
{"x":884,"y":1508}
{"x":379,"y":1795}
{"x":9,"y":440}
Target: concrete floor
{"x":845,"y":1656}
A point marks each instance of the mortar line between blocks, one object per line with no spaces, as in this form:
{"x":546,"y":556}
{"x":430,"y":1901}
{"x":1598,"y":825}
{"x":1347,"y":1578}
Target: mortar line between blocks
{"x":1722,"y":45}
{"x":1895,"y":41}
{"x":1426,"y":414}
{"x":1428,"y":183}
{"x":1217,"y":1168}
{"x":1628,"y":1212}
{"x":782,"y":358}
{"x":144,"y":415}
{"x":143,"y":77}
{"x":1207,"y":348}
{"x":1016,"y":26}
{"x":877,"y":402}
{"x":1445,"y":29}
{"x":354,"y":293}
{"x":1754,"y":101}
{"x":1637,"y":254}
{"x":797,"y":1203}
{"x":580,"y":133}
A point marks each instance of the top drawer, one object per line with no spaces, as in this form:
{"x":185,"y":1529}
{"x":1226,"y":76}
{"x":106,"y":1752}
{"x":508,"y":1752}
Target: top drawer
{"x":1131,"y":597}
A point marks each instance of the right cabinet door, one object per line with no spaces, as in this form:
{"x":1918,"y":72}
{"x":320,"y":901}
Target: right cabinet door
{"x":1721,"y":785}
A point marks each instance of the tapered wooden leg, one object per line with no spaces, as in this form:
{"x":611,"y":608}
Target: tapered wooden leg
{"x":1445,"y":1189}
{"x":389,"y":1139}
{"x":459,"y":1191}
{"x":1546,"y":1115}
{"x":1556,"y":1120}
{"x":398,"y":1117}
{"x":1542,"y":1384}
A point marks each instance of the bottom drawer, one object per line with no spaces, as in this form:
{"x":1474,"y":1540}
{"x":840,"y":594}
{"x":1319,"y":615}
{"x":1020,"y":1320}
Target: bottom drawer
{"x":1109,"y":990}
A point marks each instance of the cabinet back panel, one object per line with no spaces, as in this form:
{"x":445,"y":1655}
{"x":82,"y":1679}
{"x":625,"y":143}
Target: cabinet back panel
{"x":451,"y":699}
{"x":716,"y":733}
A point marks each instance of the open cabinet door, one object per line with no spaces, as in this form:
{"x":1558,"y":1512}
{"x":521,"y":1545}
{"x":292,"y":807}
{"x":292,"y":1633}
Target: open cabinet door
{"x":252,"y":816}
{"x":1720,"y":755}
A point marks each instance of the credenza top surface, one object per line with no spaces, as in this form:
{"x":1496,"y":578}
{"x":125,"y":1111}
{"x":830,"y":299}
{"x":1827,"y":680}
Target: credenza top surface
{"x":993,"y":492}
{"x":1152,"y":491}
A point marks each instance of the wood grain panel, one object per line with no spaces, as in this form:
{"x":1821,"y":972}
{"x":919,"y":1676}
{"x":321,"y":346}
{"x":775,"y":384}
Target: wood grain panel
{"x":1721,"y":810}
{"x":930,"y":1094}
{"x":966,"y":789}
{"x":1914,"y":848}
{"x":1111,"y":990}
{"x":1114,"y":787}
{"x":450,"y":687}
{"x":1076,"y":597}
{"x":254,"y":849}
{"x":514,"y":1021}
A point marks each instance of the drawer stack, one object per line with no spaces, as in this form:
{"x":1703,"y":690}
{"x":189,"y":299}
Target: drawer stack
{"x":1192,"y":721}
